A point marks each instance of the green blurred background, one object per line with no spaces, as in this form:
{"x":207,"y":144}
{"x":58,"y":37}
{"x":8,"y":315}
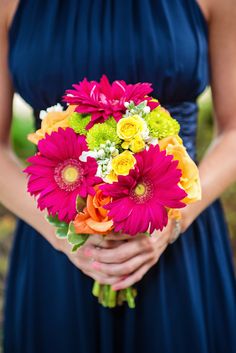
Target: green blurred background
{"x":23,"y":124}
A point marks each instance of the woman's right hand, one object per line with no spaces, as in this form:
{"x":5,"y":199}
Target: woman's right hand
{"x":83,"y":261}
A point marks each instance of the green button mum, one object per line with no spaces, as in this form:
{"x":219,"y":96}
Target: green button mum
{"x":161,"y":124}
{"x":101,"y":133}
{"x":78,"y":123}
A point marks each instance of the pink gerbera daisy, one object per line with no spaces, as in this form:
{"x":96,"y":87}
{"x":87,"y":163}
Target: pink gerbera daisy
{"x":102,"y":99}
{"x":140,"y":200}
{"x":57,"y":176}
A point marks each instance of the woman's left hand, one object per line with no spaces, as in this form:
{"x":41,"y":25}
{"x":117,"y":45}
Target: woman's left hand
{"x":133,"y":258}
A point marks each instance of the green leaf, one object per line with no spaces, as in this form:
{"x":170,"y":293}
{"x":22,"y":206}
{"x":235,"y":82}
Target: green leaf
{"x":80,"y":204}
{"x":75,"y":247}
{"x":75,"y":239}
{"x":131,"y":105}
{"x":142,"y":105}
{"x":61,"y":227}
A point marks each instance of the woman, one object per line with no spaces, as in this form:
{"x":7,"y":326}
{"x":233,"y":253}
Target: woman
{"x":186,"y":300}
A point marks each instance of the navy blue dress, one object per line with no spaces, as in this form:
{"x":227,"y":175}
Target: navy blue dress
{"x":187,"y":301}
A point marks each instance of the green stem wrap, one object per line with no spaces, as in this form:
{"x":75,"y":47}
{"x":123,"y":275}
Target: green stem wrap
{"x":110,"y":298}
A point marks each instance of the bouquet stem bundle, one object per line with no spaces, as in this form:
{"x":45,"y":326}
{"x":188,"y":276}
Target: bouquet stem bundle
{"x":110,"y":298}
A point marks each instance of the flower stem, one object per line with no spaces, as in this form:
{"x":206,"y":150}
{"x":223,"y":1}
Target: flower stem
{"x":130,"y":297}
{"x":96,"y":289}
{"x":106,"y":295}
{"x":101,"y":294}
{"x":120,"y":297}
{"x":112,"y":298}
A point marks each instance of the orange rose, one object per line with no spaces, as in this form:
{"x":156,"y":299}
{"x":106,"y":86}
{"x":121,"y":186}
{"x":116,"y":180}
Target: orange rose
{"x":94,"y":218}
{"x":51,"y":122}
{"x":190,"y":180}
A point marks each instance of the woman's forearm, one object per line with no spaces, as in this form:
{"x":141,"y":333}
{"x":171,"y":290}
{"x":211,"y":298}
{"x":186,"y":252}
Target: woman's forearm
{"x":217,"y":172}
{"x":14,"y":195}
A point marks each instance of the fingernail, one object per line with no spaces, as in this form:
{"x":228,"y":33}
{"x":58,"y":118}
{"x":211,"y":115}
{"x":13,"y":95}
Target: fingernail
{"x":96,"y":265}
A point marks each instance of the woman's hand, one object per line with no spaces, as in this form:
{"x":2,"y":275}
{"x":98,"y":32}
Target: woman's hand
{"x":84,"y":262}
{"x":127,"y":263}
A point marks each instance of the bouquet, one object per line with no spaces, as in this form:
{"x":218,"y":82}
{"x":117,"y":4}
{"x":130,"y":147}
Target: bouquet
{"x":112,"y":161}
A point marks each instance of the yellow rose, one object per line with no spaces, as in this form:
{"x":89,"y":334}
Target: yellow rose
{"x":111,"y":177}
{"x":137,"y":144}
{"x":125,"y":145}
{"x":52,"y":122}
{"x":122,"y":163}
{"x":190,"y":180}
{"x":128,"y":128}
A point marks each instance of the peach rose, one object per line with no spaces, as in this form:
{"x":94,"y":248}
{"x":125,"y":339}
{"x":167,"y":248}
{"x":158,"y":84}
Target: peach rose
{"x":52,"y":121}
{"x":190,"y":180}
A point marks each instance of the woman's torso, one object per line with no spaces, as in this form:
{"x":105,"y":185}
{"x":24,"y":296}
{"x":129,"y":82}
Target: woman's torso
{"x":56,"y":43}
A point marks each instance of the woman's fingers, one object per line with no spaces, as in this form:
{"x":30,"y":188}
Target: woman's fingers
{"x":125,"y":268}
{"x":133,"y":278}
{"x":101,"y":279}
{"x":120,"y":262}
{"x":123,"y":252}
{"x":137,"y":275}
{"x":118,"y":236}
{"x":101,"y":241}
{"x":86,"y":267}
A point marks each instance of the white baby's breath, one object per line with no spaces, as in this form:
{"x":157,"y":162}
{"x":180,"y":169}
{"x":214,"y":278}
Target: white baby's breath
{"x":146,"y":109}
{"x":42,"y":114}
{"x":54,"y":108}
{"x":103,"y":155}
{"x":85,"y":154}
{"x":141,"y":109}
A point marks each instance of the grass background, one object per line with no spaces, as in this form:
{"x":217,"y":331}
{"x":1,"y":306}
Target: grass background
{"x":23,"y":124}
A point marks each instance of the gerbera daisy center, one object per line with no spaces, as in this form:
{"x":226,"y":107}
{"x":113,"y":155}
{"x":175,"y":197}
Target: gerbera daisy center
{"x":140,"y":189}
{"x":142,"y":192}
{"x":68,"y":175}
